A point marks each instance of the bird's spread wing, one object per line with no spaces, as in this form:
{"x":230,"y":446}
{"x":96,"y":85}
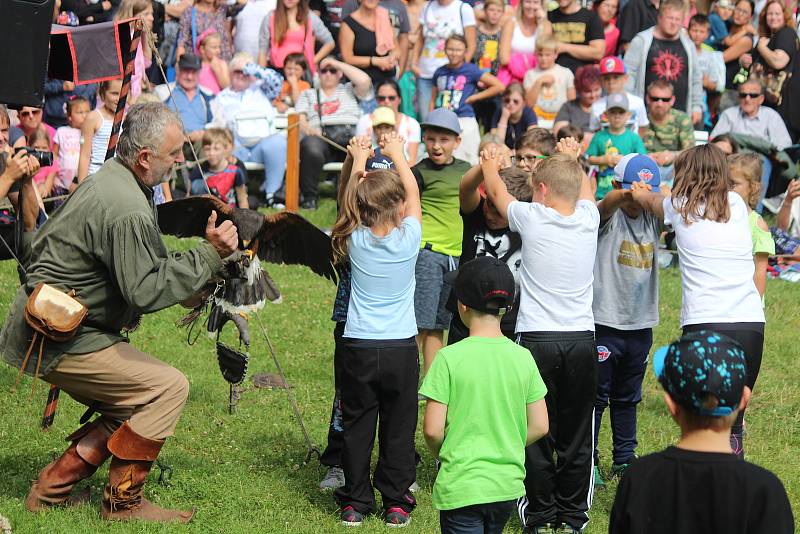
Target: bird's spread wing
{"x":187,"y":217}
{"x":289,"y":238}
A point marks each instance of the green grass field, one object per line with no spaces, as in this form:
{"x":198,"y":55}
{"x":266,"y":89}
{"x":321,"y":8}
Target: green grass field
{"x":245,"y":473}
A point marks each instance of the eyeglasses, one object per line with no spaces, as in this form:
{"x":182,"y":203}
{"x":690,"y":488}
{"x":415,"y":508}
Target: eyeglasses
{"x":659,"y":98}
{"x":328,"y":70}
{"x":749,"y":95}
{"x":742,"y":11}
{"x":512,"y":101}
{"x":385,"y":98}
{"x":30,"y":113}
{"x":529,"y":160}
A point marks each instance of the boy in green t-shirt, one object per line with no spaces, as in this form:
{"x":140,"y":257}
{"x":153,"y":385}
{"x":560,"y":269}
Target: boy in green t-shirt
{"x":612,"y":142}
{"x":438,"y":177}
{"x":485,"y":404}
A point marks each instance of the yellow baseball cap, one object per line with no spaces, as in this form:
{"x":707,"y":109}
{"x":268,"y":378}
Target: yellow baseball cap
{"x":383,"y":115}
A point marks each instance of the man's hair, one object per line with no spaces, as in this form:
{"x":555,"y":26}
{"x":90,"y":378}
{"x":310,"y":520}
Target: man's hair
{"x":661,"y":84}
{"x":699,"y":19}
{"x":570,"y":130}
{"x":241,"y":59}
{"x":679,"y":5}
{"x":518,"y":183}
{"x":754,"y":80}
{"x":538,"y":139}
{"x":217,"y":135}
{"x":546,"y":42}
{"x":144,"y":127}
{"x":562,"y":174}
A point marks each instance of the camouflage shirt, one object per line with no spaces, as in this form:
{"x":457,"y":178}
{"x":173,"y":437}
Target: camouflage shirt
{"x":676,"y":133}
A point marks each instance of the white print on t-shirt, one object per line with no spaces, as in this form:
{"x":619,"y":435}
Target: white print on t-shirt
{"x":500,"y":246}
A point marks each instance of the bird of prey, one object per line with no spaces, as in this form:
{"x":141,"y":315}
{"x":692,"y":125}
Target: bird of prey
{"x":245,"y":286}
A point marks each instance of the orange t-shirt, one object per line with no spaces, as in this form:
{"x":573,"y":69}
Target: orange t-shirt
{"x":286,"y":92}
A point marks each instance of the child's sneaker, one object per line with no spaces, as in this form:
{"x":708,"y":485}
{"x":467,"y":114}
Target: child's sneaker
{"x":599,"y":483}
{"x":333,"y":479}
{"x":350,"y":517}
{"x":397,"y":518}
{"x":618,"y":469}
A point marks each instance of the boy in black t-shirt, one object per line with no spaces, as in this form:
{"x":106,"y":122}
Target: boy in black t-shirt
{"x":486,"y":233}
{"x":699,"y":485}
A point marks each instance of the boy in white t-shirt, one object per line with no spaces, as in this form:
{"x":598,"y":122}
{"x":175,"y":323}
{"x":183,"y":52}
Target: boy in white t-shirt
{"x":439,"y":20}
{"x":555,"y":322}
{"x":549,"y":85}
{"x":613,"y":78}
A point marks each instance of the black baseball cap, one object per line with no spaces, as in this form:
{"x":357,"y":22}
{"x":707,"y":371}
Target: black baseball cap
{"x":703,"y":366}
{"x":484,"y":284}
{"x":189,"y":61}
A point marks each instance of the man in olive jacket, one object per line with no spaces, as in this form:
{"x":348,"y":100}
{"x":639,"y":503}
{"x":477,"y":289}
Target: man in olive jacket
{"x":104,"y":243}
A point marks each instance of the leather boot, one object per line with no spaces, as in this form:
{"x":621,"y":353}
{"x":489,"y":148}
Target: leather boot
{"x":85,"y":454}
{"x":133,"y":457}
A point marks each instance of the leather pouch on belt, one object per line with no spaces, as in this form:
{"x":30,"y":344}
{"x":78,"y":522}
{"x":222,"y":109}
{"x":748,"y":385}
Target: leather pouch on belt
{"x":52,"y":314}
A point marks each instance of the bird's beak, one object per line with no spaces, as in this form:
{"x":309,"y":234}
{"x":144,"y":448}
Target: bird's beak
{"x":246,"y":242}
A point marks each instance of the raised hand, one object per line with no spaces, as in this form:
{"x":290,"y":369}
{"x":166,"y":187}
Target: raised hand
{"x":224,"y":238}
{"x":570,"y":146}
{"x":392,"y":146}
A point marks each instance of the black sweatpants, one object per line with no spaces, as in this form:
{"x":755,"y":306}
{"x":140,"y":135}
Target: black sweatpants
{"x":332,"y":456}
{"x":379,"y":385}
{"x":559,"y":490}
{"x":751,"y":337}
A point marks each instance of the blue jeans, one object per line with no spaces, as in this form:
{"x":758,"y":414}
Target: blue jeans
{"x":766,"y":170}
{"x":489,"y":518}
{"x":270,"y":152}
{"x":424,"y":94}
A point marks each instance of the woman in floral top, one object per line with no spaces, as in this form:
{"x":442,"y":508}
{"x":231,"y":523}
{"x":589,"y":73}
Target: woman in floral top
{"x":206,"y":14}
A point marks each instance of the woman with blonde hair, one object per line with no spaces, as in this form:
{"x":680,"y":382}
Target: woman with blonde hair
{"x":715,"y":249}
{"x":518,"y":40}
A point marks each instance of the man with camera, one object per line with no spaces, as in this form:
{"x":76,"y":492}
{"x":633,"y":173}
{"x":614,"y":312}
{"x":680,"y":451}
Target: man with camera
{"x":103,"y":247}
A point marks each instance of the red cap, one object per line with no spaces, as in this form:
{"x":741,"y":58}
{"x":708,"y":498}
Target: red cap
{"x":612,"y":65}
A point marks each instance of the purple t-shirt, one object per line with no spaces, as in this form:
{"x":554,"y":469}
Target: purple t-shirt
{"x":454,"y":86}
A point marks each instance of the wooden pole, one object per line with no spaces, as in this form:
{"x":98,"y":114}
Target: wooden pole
{"x":293,"y":164}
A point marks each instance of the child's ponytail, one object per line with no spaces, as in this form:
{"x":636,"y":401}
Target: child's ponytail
{"x":348,"y":220}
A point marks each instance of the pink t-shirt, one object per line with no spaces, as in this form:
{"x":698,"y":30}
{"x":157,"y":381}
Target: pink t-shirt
{"x":207,"y":79}
{"x":41,"y":176}
{"x":68,"y":140}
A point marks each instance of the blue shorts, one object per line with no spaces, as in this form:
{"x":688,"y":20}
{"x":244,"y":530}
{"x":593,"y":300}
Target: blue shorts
{"x":432,"y":292}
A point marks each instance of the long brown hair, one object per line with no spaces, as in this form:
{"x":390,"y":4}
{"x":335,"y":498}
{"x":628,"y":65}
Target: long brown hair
{"x":788,"y":20}
{"x":370,"y":198}
{"x":702,"y":182}
{"x":282,"y":19}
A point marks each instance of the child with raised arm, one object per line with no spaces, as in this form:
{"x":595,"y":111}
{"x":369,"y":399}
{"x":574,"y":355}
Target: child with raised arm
{"x":486,"y":391}
{"x":625,"y":306}
{"x":715,"y":250}
{"x":697,"y":485}
{"x":555,"y":322}
{"x":379,"y":230}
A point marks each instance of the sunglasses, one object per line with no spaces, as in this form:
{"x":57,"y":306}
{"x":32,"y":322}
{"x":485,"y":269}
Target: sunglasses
{"x":512,"y":100}
{"x":749,"y":95}
{"x":390,"y":98}
{"x":30,"y":113}
{"x":328,"y":70}
{"x":238,"y":72}
{"x":660,"y":98}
